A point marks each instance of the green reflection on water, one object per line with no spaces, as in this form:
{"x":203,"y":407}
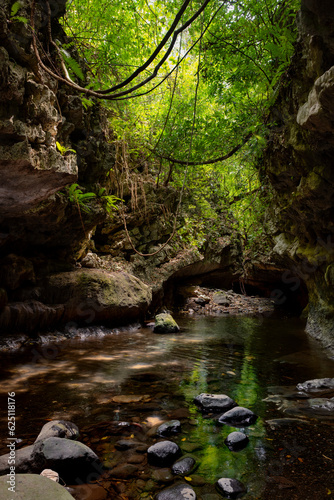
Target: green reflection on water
{"x":205,"y":440}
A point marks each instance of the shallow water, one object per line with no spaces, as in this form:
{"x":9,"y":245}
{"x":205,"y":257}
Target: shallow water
{"x":250,"y":359}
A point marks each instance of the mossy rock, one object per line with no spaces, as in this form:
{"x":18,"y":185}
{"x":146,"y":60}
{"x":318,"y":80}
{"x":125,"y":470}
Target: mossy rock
{"x":165,"y":323}
{"x":28,"y":486}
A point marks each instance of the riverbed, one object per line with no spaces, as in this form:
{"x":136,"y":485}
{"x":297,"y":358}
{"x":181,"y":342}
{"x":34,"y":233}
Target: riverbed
{"x":97,"y":375}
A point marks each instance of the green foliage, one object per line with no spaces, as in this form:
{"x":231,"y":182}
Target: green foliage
{"x":76,"y":195}
{"x":63,"y":149}
{"x":240,"y":60}
{"x":14,"y":10}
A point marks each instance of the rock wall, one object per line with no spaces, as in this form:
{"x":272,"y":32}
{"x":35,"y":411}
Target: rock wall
{"x":298,"y":167}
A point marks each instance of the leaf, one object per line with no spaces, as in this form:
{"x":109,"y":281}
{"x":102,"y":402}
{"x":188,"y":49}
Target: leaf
{"x":187,"y":478}
{"x":20,"y":19}
{"x":15,"y":8}
{"x":73,"y":65}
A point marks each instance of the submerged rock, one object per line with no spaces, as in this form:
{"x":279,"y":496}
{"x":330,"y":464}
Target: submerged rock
{"x":169,"y":428}
{"x":184,"y":466}
{"x":321,"y":385}
{"x":230,"y":488}
{"x":177,"y":492}
{"x":238,"y":417}
{"x":236,"y":441}
{"x":165,"y":323}
{"x":215,"y":403}
{"x":163,"y":454}
{"x":28,"y":486}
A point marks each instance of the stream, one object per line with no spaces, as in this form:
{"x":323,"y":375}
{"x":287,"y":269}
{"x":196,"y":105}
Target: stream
{"x":133,"y":375}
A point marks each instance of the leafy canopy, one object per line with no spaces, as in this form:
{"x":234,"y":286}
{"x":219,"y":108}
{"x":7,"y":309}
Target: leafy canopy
{"x":238,"y":48}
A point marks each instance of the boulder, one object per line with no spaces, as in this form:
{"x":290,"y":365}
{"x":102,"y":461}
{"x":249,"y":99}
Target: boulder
{"x":169,"y":428}
{"x":23,"y":461}
{"x":58,"y":428}
{"x":184,"y":466}
{"x":165,"y":323}
{"x":96,"y":295}
{"x":28,"y":486}
{"x":238,"y":417}
{"x":71,"y":459}
{"x":163,"y":454}
{"x":236,"y":441}
{"x":214,"y":403}
{"x":230,"y":488}
{"x":177,"y":492}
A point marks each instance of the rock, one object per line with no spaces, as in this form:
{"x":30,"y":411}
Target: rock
{"x":165,"y":323}
{"x":184,"y":466}
{"x":214,"y":403}
{"x":51,"y":474}
{"x":238,"y":417}
{"x":123,"y":471}
{"x":88,"y":492}
{"x":177,"y":492}
{"x":23,"y":461}
{"x":221,"y":299}
{"x":58,"y":428}
{"x":230,"y":488}
{"x":92,"y":295}
{"x":34,"y":486}
{"x":162,"y":476}
{"x":278,"y":423}
{"x":320,"y":385}
{"x":236,"y":441}
{"x":169,"y":428}
{"x":71,"y":459}
{"x":127,"y":444}
{"x":15,"y":270}
{"x":163,"y":454}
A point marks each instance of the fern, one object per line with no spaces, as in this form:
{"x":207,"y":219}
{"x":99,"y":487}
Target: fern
{"x":72,"y":64}
{"x":15,"y":8}
{"x":63,"y":149}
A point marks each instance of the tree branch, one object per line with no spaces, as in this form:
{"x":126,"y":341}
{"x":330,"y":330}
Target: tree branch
{"x":206,"y":162}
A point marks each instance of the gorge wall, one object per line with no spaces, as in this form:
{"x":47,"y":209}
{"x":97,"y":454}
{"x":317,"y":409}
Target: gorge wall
{"x":61,"y":262}
{"x":298,"y":167}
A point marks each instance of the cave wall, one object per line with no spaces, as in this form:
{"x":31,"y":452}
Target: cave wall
{"x":298,"y":166}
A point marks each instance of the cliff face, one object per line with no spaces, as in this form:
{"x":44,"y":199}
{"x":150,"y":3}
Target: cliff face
{"x":298,"y":167}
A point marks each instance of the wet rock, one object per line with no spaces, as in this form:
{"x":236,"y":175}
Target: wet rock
{"x":163,"y":476}
{"x":123,"y":471}
{"x":238,"y":417}
{"x":230,"y":488}
{"x":71,"y":459}
{"x":34,"y":486}
{"x":58,"y":428}
{"x":88,"y":492}
{"x":278,"y":423}
{"x":184,"y":466}
{"x":177,"y":492}
{"x":23,"y":461}
{"x":320,"y":385}
{"x":163,"y":454}
{"x":127,"y":444}
{"x":214,"y":403}
{"x":165,"y":323}
{"x":236,"y":441}
{"x":169,"y":428}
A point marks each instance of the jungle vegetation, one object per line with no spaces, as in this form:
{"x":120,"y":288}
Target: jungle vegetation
{"x":188,"y":85}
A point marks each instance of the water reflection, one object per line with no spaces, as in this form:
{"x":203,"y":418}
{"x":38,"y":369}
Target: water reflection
{"x":93,"y":379}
